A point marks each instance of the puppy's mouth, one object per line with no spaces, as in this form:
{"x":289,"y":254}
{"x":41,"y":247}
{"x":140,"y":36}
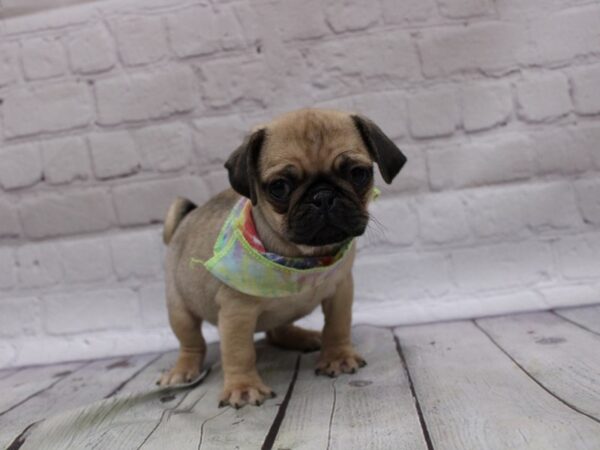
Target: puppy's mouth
{"x":314,"y":224}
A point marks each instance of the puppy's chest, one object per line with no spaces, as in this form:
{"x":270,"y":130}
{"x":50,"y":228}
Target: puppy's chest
{"x":279,"y":311}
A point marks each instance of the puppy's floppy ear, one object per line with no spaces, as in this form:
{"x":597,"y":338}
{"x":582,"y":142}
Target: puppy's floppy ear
{"x":384,"y":152}
{"x":242,"y":165}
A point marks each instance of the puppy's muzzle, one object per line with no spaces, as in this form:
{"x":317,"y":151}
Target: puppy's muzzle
{"x":324,"y":200}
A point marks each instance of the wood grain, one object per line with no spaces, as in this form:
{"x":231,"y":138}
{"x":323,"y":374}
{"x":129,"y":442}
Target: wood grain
{"x":89,"y":384}
{"x":474,"y":397}
{"x":199,"y":423}
{"x":373,"y":408}
{"x":21,"y":385}
{"x":562,"y":357}
{"x":119,"y":421}
{"x":587,"y":316}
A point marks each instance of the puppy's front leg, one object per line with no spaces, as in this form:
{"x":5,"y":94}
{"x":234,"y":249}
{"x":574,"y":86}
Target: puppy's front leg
{"x":337,"y":354}
{"x":237,"y":322}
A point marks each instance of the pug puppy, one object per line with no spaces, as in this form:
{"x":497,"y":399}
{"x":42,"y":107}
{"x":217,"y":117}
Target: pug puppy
{"x":309,"y":176}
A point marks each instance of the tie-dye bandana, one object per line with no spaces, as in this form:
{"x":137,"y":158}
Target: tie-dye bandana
{"x":241,"y":261}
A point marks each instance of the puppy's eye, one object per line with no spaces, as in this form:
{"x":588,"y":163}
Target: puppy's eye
{"x":280,"y":189}
{"x":359,"y":176}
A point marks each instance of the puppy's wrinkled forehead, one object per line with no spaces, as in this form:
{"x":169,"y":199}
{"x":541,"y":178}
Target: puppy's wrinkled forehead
{"x":311,"y":141}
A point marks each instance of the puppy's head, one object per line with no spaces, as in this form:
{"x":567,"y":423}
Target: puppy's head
{"x":310,"y":172}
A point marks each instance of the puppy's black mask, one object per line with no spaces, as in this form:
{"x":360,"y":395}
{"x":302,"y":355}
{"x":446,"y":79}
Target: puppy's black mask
{"x":326,"y":210}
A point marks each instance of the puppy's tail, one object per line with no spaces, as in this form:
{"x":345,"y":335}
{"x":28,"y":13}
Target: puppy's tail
{"x":180,"y":208}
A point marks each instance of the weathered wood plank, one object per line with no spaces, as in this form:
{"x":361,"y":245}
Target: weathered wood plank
{"x":371,"y":409}
{"x":198,"y":423}
{"x":29,"y":381}
{"x":89,"y":384}
{"x":121,"y":421}
{"x":474,"y":397}
{"x":586,"y":316}
{"x":561,"y":356}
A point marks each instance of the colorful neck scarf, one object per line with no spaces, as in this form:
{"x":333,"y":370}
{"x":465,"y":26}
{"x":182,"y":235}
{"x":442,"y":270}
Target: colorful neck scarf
{"x":241,"y":261}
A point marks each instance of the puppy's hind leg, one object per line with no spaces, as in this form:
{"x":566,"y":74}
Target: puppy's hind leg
{"x":192,"y":346}
{"x":292,"y":337}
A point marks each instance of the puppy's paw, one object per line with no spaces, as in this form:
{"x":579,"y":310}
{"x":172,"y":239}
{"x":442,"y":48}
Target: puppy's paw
{"x":181,"y":373}
{"x":334,"y":362}
{"x":245,"y":392}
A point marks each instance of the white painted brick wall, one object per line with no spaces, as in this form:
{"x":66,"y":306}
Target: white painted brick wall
{"x":111,"y":109}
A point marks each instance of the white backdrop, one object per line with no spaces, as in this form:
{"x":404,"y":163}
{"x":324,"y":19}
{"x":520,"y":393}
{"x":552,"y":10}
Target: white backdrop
{"x":110,"y":109}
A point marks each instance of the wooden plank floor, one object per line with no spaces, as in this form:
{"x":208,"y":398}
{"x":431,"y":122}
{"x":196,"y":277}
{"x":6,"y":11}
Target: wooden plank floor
{"x":528,"y":381}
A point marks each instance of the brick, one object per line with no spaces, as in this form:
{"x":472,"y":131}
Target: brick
{"x":148,"y":202}
{"x":136,"y":255}
{"x":543,"y":98}
{"x":392,"y":222}
{"x":8,"y":63}
{"x":501,"y":266}
{"x":462,"y":9}
{"x":588,"y":137}
{"x":166,"y":148}
{"x":45,"y":108}
{"x":496,"y":212}
{"x":564,"y":151}
{"x":349,"y":65}
{"x":409,"y":11}
{"x":408,"y":276}
{"x":51,"y":19}
{"x":154,"y":306}
{"x":586,"y":92}
{"x":518,"y":9}
{"x":216,"y":138}
{"x":351,"y":15}
{"x":512,"y":210}
{"x":564,"y":35}
{"x":65,"y":160}
{"x":588,"y":195}
{"x":200,"y":30}
{"x":8,"y":268}
{"x":149,"y":95}
{"x":140,"y":39}
{"x":90,"y":311}
{"x":85,"y":260}
{"x":20,"y":316}
{"x":114,"y":154}
{"x":551,"y":206}
{"x":578,"y":256}
{"x":38,"y":265}
{"x":386,"y":109}
{"x":217,"y":181}
{"x":292,"y":20}
{"x":21,"y":166}
{"x":433,"y":114}
{"x":412,"y":178}
{"x":84,"y":211}
{"x":485,"y":105}
{"x":229,"y":28}
{"x":491,"y":48}
{"x":508,"y":158}
{"x":43,"y":58}
{"x":442,"y":218}
{"x":9,"y":221}
{"x":91,"y":50}
{"x":236,"y":81}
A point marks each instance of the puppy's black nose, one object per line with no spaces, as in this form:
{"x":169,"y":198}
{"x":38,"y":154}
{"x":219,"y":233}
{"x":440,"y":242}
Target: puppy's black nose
{"x":324,"y":199}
